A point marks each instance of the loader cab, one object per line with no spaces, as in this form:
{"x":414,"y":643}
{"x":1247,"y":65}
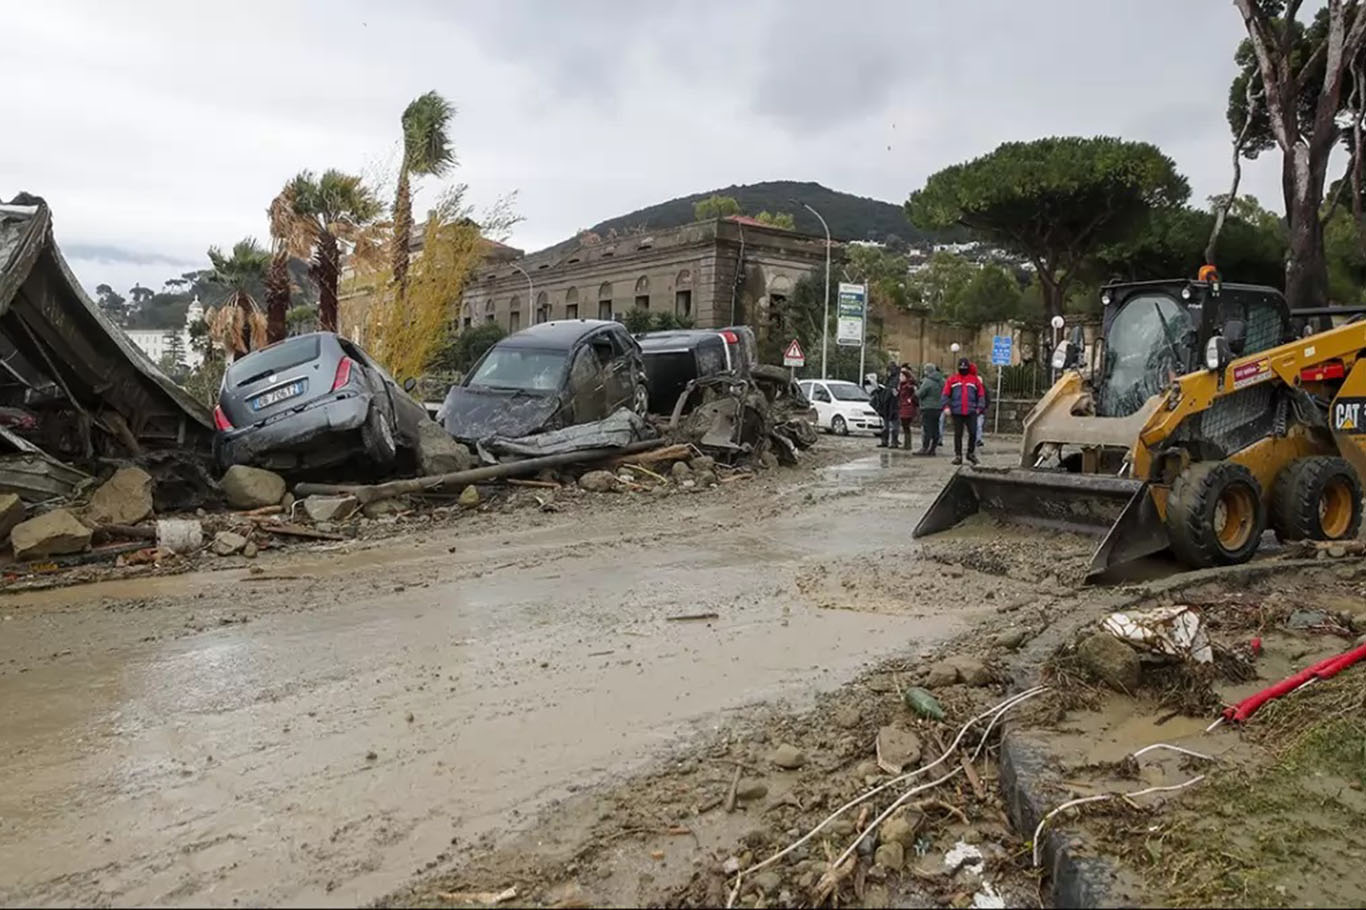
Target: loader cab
{"x":1154,"y":331}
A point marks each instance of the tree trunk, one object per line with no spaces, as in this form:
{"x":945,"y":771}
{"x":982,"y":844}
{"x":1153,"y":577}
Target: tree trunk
{"x":1306,"y":269}
{"x":1052,"y":294}
{"x":277,"y":295}
{"x":326,"y":268}
{"x":403,"y":232}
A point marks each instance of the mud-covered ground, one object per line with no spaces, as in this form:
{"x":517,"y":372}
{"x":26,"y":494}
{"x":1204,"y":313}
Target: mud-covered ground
{"x":328,"y":724}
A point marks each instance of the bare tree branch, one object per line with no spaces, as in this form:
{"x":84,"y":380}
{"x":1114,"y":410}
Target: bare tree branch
{"x":1221,"y":214}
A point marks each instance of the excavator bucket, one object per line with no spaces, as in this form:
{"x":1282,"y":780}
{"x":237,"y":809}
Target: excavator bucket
{"x":1118,"y":509}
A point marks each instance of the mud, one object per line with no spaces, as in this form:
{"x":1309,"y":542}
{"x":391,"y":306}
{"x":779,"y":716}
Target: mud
{"x":321,"y":726}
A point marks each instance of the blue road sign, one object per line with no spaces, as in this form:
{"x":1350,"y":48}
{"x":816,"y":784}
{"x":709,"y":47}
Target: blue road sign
{"x":1001,"y":346}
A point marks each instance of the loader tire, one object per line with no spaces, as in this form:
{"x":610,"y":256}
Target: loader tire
{"x":1215,"y":514}
{"x":1317,"y":498}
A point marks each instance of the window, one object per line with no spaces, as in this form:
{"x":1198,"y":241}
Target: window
{"x":489,"y":314}
{"x":519,"y":368}
{"x":571,"y":311}
{"x":777,"y":305}
{"x":642,"y":301}
{"x":571,"y":301}
{"x":604,"y":309}
{"x":820,"y":394}
{"x":542,"y":307}
{"x":514,"y":313}
{"x":847,"y":391}
{"x":683,"y":303}
{"x":1149,"y":338}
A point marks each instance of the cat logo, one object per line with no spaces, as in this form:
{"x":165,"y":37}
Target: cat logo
{"x":1347,"y":415}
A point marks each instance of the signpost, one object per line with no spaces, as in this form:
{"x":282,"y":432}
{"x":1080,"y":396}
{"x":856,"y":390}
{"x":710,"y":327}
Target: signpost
{"x":794,"y":356}
{"x":1002,"y":352}
{"x":851,"y":310}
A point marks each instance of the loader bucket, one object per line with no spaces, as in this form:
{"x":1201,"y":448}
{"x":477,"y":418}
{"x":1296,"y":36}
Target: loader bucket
{"x":1118,"y":509}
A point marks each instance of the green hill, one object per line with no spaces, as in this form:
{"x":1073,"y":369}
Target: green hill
{"x":850,"y":217}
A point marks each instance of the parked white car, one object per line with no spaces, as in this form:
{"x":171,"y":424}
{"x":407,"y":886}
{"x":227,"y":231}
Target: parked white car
{"x":841,"y":407}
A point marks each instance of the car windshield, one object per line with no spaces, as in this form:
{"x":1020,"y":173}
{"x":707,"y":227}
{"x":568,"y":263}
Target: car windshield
{"x":1149,"y":339}
{"x":847,"y":391}
{"x":522,"y":369}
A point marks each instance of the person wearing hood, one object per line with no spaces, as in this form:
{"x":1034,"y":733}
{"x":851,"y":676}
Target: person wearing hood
{"x":963,"y":397}
{"x":931,"y":399}
{"x":908,"y":403}
{"x":982,"y":414}
{"x":891,"y":420}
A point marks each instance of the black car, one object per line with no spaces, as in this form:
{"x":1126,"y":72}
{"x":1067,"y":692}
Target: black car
{"x":675,"y":357}
{"x":547,"y":377}
{"x":312,"y":401}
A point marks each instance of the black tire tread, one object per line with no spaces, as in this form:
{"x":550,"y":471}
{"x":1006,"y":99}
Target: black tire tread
{"x":1192,"y":536}
{"x":1295,"y":498}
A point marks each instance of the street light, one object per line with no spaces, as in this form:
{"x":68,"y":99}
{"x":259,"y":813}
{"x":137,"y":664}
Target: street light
{"x":825,"y":323}
{"x":530,"y":292}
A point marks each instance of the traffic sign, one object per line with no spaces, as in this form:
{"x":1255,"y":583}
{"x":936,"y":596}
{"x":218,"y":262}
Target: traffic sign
{"x":794,"y":356}
{"x":851,"y":311}
{"x":1001,"y":350}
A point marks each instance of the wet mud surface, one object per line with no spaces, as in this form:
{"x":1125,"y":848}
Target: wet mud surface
{"x":325,"y":727}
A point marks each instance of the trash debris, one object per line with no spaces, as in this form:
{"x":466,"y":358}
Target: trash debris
{"x":50,"y":534}
{"x":1175,"y":631}
{"x":1324,"y":669}
{"x":469,"y":497}
{"x":620,"y":428}
{"x":478,"y":897}
{"x":330,"y":508}
{"x":11,"y":513}
{"x":179,"y":535}
{"x":691,"y":617}
{"x":923,"y":703}
{"x":227,"y":543}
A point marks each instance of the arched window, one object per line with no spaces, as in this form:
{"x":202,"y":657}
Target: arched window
{"x":542,"y":307}
{"x":683,"y":295}
{"x":514,"y":313}
{"x":489,"y":310}
{"x":468,"y":315}
{"x":642,"y":293}
{"x":779,"y":289}
{"x":605,"y":300}
{"x":571,"y":303}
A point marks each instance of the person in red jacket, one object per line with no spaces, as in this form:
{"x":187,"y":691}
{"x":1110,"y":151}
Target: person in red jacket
{"x":964,"y":398}
{"x":908,"y":405}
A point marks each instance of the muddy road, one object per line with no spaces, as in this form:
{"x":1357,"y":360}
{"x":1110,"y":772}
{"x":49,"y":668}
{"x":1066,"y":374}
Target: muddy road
{"x":327,"y":728}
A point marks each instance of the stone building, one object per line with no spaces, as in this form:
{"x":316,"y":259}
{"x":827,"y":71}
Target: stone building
{"x":690,"y":271}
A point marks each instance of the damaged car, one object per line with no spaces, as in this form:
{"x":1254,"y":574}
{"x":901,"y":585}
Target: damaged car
{"x":547,"y":377}
{"x":676,"y":357}
{"x":313,"y":401}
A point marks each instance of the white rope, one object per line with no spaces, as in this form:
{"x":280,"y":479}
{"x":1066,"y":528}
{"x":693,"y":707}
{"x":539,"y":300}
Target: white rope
{"x":1183,"y":751}
{"x":1038,"y":830}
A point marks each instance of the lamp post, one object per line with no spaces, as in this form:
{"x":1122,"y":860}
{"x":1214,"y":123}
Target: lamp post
{"x":825,"y":323}
{"x":530,"y":292}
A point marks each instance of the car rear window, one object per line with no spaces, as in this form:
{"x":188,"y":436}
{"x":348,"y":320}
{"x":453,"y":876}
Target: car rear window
{"x":288,"y":353}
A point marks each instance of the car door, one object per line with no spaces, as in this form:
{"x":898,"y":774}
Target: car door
{"x":620,"y":379}
{"x":587,"y":384}
{"x":824,"y":403}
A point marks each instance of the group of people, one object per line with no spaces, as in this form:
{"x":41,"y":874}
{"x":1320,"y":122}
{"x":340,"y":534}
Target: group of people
{"x":932,"y":401}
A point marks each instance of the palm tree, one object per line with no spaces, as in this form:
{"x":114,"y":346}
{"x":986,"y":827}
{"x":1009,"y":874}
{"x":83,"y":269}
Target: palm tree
{"x":291,"y":237}
{"x":337,"y":207}
{"x":426,"y":150}
{"x":238,"y":324}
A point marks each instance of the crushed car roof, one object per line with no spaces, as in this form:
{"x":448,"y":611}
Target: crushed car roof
{"x":559,"y":333}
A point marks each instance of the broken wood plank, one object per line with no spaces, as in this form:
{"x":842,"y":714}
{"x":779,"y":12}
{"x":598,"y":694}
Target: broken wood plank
{"x":689,"y":617}
{"x":973,"y":778}
{"x":667,"y":453}
{"x":293,"y":530}
{"x":478,"y":897}
{"x":542,"y":484}
{"x":646,"y":471}
{"x":734,"y":786}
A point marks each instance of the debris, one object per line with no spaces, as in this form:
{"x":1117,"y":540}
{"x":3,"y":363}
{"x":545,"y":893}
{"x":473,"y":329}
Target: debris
{"x":293,"y":530}
{"x":959,"y":668}
{"x":251,"y":488}
{"x":664,"y":453}
{"x":689,"y":617}
{"x":11,"y":513}
{"x":788,"y":757}
{"x":847,"y":717}
{"x":1306,"y":619}
{"x":965,"y":857}
{"x":250,"y":549}
{"x":923,"y":703}
{"x":1324,"y":669}
{"x":478,"y":897}
{"x":1174,"y":631}
{"x":49,"y":534}
{"x":897,"y":748}
{"x":123,"y":532}
{"x":382,"y":507}
{"x":705,"y":478}
{"x":734,"y":789}
{"x":124,"y":499}
{"x":750,"y":789}
{"x":226,"y":543}
{"x":330,"y":508}
{"x":469,"y":497}
{"x":899,"y":830}
{"x":1011,"y":638}
{"x":702,"y":463}
{"x":179,"y":535}
{"x":598,"y":482}
{"x":891,"y":855}
{"x":1112,"y":661}
{"x":680,"y":471}
{"x":438,"y":453}
{"x":941,"y":674}
{"x":974,"y":779}
{"x":619,"y":429}
{"x":641,"y":469}
{"x":540,"y":484}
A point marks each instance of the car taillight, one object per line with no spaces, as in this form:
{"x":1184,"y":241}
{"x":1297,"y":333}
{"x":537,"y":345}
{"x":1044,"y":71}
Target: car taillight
{"x":731,"y":337}
{"x":343,"y":373}
{"x":220,"y":420}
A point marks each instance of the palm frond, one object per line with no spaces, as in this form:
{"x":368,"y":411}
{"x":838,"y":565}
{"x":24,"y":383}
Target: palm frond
{"x":426,"y":142}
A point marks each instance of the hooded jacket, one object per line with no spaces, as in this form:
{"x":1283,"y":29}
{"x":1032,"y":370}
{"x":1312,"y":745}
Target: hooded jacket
{"x":964,"y":394}
{"x":930,"y":392}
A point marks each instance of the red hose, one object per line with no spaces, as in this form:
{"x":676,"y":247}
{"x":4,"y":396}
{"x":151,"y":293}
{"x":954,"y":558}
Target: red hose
{"x":1324,"y":669}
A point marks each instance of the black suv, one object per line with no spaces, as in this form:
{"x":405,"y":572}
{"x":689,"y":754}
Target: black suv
{"x":547,"y":377}
{"x":675,"y":357}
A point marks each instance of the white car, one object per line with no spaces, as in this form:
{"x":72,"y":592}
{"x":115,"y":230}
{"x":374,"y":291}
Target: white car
{"x":841,"y":407}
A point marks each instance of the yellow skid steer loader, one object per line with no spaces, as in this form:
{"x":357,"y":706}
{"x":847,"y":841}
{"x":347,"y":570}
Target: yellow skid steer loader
{"x":1205,"y":414}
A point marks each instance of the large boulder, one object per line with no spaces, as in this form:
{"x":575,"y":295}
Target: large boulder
{"x":50,"y":534}
{"x":1112,"y":661}
{"x":252,"y":488}
{"x":124,"y":499}
{"x":11,"y":513}
{"x":438,"y":453}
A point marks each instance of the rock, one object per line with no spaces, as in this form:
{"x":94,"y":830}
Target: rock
{"x":50,"y":534}
{"x":706,"y":478}
{"x":330,"y":508}
{"x":1306,"y":619}
{"x":788,"y":756}
{"x":929,"y":867}
{"x":702,"y":463}
{"x":123,"y":499}
{"x":897,"y":748}
{"x":748,"y":788}
{"x":438,"y":453}
{"x":865,"y":769}
{"x":891,"y":855}
{"x":897,"y":830}
{"x":598,"y":482}
{"x":731,"y":865}
{"x":287,"y":502}
{"x":11,"y":513}
{"x":942,"y":673}
{"x":768,"y":460}
{"x":226,"y":543}
{"x":250,"y":549}
{"x":469,"y":497}
{"x":251,"y":488}
{"x":382,"y":507}
{"x":1111,"y":660}
{"x":971,"y":671}
{"x":768,"y":881}
{"x":680,"y":471}
{"x":1337,"y":550}
{"x":847,"y":717}
{"x":1011,"y":639}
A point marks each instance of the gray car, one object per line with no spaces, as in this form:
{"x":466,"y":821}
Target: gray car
{"x":312,"y":401}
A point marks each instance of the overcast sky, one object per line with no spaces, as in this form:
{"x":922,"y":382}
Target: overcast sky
{"x":155,"y":129}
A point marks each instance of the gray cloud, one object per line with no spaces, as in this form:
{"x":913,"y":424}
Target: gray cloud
{"x":104,"y":252}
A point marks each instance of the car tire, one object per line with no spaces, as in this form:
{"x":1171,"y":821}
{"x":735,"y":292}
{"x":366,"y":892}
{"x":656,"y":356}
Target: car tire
{"x":1215,"y":514}
{"x":640,"y":402}
{"x":1317,"y":498}
{"x":377,"y":436}
{"x":838,"y":426}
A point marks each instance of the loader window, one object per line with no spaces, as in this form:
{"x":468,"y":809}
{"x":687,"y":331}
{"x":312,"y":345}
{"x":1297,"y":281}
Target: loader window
{"x":1148,"y":340}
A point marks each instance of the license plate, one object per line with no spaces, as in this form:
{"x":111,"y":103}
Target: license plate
{"x":275,"y":396}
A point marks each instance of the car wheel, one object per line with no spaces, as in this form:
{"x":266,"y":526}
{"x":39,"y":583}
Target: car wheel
{"x":839,"y":427}
{"x":378,"y":438}
{"x":641,"y":402}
